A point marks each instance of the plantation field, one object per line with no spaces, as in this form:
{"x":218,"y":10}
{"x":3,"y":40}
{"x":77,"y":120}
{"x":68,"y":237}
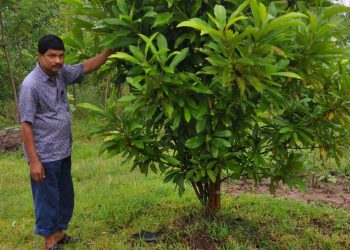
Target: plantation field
{"x":112,"y":204}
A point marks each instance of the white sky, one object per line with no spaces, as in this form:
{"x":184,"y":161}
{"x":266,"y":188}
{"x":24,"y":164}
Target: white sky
{"x":346,"y":2}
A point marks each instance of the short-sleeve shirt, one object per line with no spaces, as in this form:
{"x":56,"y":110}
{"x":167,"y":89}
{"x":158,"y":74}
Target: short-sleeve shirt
{"x":43,"y":102}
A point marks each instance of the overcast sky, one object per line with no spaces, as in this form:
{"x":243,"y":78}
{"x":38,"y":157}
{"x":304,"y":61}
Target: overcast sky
{"x":347,"y":2}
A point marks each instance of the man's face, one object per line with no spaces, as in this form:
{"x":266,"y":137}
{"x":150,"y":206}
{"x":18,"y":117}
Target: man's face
{"x":51,"y":61}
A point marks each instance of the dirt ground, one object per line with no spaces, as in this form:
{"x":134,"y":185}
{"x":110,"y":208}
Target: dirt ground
{"x":10,"y":140}
{"x":335,"y":194}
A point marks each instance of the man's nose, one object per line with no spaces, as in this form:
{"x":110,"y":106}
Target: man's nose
{"x":57,"y":59}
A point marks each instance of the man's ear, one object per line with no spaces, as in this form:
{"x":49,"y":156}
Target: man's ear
{"x":40,"y":55}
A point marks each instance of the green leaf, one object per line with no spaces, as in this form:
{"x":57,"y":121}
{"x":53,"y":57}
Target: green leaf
{"x":219,"y":142}
{"x":170,"y":3}
{"x":214,"y":151}
{"x":170,"y":159}
{"x":241,"y":85}
{"x":122,"y":6}
{"x":220,"y":15}
{"x":201,"y":25}
{"x":162,"y":19}
{"x":211,"y":164}
{"x":79,"y":37}
{"x":139,"y":144}
{"x":127,"y":98}
{"x":179,"y":58}
{"x":305,"y":138}
{"x":189,"y":174}
{"x":195,"y":142}
{"x":285,"y":130}
{"x":335,"y":9}
{"x":176,"y":121}
{"x":114,"y":137}
{"x":191,"y":103}
{"x":92,"y":107}
{"x":201,"y":125}
{"x":120,"y":42}
{"x":153,"y":168}
{"x":113,"y":38}
{"x":162,"y":42}
{"x":288,"y":74}
{"x":126,"y":57}
{"x":223,"y":133}
{"x":187,"y":115}
{"x":76,"y":3}
{"x":136,"y":51}
{"x":234,"y":20}
{"x":82,"y":23}
{"x":300,"y":184}
{"x":282,"y":22}
{"x":72,"y":42}
{"x":170,"y":176}
{"x":115,"y":21}
{"x":237,"y":12}
{"x":218,"y":60}
{"x":169,"y":109}
{"x":263,"y":13}
{"x":135,"y":82}
{"x":211,"y":175}
{"x":296,"y":140}
{"x":256,"y":12}
{"x":202,"y":89}
{"x":180,"y":40}
{"x":202,"y":109}
{"x":149,"y":43}
{"x":253,"y":81}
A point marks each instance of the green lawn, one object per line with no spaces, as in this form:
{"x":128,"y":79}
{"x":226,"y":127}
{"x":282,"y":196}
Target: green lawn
{"x":113,"y":203}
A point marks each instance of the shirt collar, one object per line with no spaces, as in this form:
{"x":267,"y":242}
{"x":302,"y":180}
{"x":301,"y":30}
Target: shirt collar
{"x":42,"y":75}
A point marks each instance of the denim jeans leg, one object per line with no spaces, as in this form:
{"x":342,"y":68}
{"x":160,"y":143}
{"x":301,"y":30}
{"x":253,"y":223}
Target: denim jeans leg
{"x":66,"y":195}
{"x":46,"y":200}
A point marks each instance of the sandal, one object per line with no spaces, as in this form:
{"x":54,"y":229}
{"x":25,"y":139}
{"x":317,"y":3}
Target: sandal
{"x":55,"y":247}
{"x":68,"y":239}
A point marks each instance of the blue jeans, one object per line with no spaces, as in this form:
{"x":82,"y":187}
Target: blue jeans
{"x":53,"y":198}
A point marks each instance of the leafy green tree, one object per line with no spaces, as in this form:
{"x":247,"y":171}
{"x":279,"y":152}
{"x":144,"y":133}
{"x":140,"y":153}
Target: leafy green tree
{"x":222,"y":89}
{"x":21,"y":25}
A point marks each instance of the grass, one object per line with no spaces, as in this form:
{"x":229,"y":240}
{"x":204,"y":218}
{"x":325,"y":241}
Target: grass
{"x":113,"y":203}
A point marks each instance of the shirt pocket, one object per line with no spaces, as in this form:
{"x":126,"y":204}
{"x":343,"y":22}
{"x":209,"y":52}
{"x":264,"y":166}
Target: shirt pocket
{"x":48,"y":99}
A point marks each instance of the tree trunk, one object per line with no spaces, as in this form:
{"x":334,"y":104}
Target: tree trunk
{"x":209,"y":194}
{"x":214,"y":201}
{"x":9,"y":63}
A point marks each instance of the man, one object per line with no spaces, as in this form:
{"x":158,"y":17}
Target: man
{"x":45,"y":121}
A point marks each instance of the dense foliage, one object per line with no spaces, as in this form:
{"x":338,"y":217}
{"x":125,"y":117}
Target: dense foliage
{"x":22,"y":23}
{"x":221,"y":89}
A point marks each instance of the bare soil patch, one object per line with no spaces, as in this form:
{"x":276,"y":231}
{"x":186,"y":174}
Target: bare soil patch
{"x":10,"y":140}
{"x":334,"y":194}
{"x":198,"y":238}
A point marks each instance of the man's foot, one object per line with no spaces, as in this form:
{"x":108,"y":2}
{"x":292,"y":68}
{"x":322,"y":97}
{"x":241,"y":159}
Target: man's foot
{"x":51,"y":241}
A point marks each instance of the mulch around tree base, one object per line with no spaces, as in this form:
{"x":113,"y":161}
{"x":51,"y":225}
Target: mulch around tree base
{"x":10,"y":140}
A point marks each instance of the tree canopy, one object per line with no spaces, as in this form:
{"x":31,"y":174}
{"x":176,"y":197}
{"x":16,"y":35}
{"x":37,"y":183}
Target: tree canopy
{"x":221,"y":89}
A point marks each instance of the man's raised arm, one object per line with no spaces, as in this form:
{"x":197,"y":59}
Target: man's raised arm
{"x":95,"y":62}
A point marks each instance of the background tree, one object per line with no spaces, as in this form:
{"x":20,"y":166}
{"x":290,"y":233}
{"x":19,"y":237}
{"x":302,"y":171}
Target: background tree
{"x":222,"y":89}
{"x":22,"y":23}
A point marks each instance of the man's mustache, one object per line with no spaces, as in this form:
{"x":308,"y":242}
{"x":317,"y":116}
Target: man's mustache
{"x":56,"y":65}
